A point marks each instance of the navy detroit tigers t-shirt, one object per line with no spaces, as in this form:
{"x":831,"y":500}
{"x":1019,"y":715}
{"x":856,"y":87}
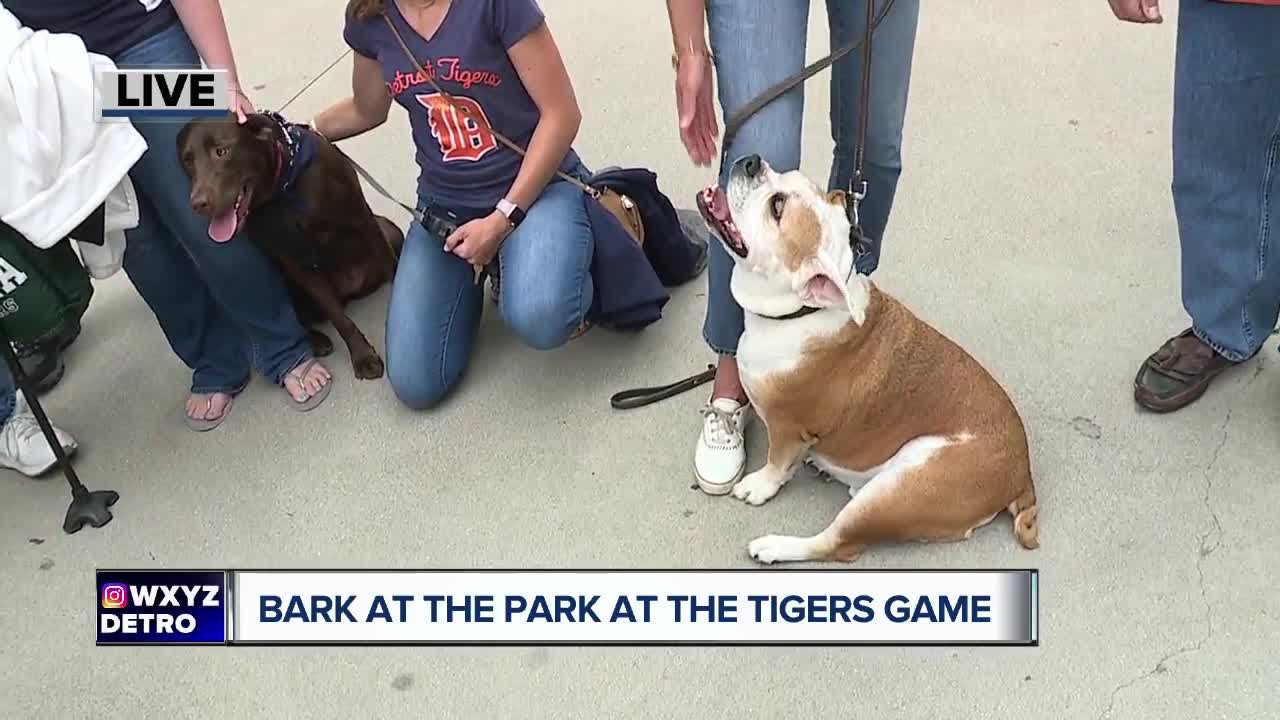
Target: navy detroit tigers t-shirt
{"x":107,"y":27}
{"x":461,"y":163}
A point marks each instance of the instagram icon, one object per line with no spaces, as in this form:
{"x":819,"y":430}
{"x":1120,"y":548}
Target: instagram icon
{"x":115,"y":595}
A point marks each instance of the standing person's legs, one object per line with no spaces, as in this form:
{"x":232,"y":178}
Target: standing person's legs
{"x":892,"y":51}
{"x":1226,"y":191}
{"x":222,"y":306}
{"x":8,"y":394}
{"x":756,"y":44}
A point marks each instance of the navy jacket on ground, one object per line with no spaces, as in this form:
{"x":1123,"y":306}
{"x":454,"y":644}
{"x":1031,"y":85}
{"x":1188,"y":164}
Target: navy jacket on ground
{"x":630,"y":283}
{"x":676,"y":257}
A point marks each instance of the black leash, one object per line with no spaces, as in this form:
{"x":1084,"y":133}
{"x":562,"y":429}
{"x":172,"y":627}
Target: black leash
{"x":639,"y":397}
{"x":857,"y":190}
{"x":735,"y":121}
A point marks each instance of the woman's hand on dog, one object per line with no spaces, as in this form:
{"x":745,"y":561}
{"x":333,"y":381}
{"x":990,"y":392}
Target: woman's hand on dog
{"x":478,"y":241}
{"x":241,"y":105}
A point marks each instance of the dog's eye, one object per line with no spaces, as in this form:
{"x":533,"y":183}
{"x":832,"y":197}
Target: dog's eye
{"x":776,"y":205}
{"x":220,"y":151}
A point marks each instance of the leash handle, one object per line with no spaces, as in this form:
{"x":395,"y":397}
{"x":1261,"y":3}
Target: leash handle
{"x":639,"y":397}
{"x":430,"y":76}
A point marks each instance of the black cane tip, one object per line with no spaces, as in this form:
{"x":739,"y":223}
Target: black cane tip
{"x":89,"y":509}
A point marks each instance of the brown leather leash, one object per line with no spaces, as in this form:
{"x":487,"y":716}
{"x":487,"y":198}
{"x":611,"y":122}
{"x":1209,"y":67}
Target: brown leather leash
{"x":857,"y":190}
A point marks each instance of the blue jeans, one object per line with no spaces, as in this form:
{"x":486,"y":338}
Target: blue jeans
{"x":435,"y":308}
{"x":8,"y":394}
{"x":758,"y":43}
{"x":1226,"y":171}
{"x":223,"y":306}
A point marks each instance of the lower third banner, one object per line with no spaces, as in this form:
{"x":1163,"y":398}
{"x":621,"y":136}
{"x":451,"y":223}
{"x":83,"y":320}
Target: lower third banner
{"x":553,"y":607}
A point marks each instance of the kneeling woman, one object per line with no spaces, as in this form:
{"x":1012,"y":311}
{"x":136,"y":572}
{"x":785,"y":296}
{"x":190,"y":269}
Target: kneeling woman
{"x":499,"y":63}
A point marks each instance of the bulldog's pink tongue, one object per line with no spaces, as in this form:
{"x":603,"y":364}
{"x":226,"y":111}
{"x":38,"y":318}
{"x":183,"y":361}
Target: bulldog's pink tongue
{"x":222,"y":227}
{"x":718,"y":203}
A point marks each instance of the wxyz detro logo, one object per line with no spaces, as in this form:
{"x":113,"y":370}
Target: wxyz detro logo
{"x":460,"y":134}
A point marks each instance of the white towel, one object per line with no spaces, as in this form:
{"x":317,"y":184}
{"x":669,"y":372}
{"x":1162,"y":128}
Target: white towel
{"x":60,"y":163}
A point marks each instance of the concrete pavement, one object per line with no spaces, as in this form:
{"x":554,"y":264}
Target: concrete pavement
{"x":1033,"y":225}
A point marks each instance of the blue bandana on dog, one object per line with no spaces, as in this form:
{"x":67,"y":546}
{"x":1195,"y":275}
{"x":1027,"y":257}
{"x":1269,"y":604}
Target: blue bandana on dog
{"x":293,"y":155}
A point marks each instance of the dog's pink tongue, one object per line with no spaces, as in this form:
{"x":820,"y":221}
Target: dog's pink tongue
{"x":222,"y":227}
{"x":719,"y":204}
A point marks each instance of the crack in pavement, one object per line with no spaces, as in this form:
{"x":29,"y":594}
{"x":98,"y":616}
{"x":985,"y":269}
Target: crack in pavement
{"x":1205,"y":548}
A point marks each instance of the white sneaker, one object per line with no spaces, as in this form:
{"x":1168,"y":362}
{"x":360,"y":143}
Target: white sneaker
{"x":721,"y":454}
{"x":22,"y":445}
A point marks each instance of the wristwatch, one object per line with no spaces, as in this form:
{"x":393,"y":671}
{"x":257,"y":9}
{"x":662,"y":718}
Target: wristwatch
{"x":513,"y":213}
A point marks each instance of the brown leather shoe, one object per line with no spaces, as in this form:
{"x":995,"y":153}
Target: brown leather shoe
{"x":1178,"y":373}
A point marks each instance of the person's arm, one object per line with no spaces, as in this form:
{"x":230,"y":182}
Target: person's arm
{"x":695,"y":106}
{"x":537,"y":60}
{"x":688,"y":27}
{"x":541,"y":69}
{"x":365,"y":109}
{"x":204,"y":23}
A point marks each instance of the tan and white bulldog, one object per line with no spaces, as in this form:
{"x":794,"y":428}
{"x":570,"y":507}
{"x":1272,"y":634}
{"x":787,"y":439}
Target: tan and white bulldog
{"x":847,"y":378}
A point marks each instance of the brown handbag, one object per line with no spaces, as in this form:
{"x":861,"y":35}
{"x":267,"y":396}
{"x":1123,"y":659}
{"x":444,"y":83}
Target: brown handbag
{"x":618,"y":205}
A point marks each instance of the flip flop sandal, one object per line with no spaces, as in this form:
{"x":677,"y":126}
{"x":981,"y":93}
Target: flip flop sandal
{"x":207,"y":424}
{"x":299,"y":372}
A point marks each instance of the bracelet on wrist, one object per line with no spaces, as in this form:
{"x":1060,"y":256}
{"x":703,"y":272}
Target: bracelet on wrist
{"x":694,"y":48}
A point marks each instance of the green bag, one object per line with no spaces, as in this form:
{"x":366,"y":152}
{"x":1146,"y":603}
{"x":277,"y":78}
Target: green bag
{"x":42,"y":292}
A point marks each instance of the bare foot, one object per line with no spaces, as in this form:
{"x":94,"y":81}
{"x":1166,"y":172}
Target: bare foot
{"x":308,"y":383}
{"x":205,"y":411}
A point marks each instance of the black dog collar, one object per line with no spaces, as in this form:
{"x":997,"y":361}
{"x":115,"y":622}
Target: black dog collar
{"x":803,"y":311}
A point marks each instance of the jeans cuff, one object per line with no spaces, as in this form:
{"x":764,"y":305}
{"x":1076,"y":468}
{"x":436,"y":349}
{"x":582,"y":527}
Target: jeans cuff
{"x":717,"y":348}
{"x":230,"y":390}
{"x":8,"y":403}
{"x":301,"y":358}
{"x":1231,"y":355}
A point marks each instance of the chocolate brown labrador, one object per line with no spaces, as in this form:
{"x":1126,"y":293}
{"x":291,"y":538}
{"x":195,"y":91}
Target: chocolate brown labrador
{"x":295,"y":195}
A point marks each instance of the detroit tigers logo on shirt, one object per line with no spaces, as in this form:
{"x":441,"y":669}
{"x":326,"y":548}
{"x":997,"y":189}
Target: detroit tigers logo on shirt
{"x":460,"y":135}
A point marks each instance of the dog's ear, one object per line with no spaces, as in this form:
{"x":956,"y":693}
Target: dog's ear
{"x":260,"y":126}
{"x":824,"y":290}
{"x":826,"y":287}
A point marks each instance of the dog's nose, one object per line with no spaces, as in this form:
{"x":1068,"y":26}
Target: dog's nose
{"x":200,"y":203}
{"x":751,"y":165}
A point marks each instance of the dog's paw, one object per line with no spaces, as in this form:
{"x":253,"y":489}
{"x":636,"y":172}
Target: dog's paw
{"x":368,"y":367}
{"x":321,"y":345}
{"x":776,"y":548}
{"x":757,"y":487}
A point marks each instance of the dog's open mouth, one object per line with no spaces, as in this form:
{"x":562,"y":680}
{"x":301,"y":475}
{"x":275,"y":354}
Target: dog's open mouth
{"x":714,"y":207}
{"x":223,"y":227}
